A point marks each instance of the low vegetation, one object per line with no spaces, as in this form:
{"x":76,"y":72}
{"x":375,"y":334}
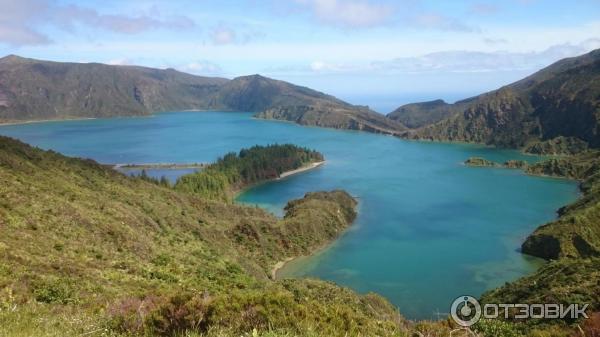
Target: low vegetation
{"x":557,"y":146}
{"x":576,"y":233}
{"x":482,"y":162}
{"x":478,"y":161}
{"x":86,"y":250}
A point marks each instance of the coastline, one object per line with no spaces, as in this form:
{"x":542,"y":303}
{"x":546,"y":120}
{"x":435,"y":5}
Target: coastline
{"x":45,"y":121}
{"x":275,"y":271}
{"x":59,"y":119}
{"x":166,"y":166}
{"x":301,"y":169}
{"x":279,"y":265}
{"x":283,"y":175}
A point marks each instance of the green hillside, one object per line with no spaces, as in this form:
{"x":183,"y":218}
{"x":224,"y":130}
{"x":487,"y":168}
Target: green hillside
{"x":558,"y":101}
{"x":87,"y":250}
{"x":416,"y":115}
{"x":336,"y":117}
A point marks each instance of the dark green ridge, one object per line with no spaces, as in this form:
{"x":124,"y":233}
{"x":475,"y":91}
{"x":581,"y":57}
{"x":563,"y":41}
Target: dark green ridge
{"x":562,"y":100}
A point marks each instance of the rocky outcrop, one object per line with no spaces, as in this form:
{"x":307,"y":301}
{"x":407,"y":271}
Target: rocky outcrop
{"x":557,"y":146}
{"x":516,"y":164}
{"x":480,"y":162}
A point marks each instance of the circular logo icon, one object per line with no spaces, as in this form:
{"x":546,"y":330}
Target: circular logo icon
{"x":465,"y":311}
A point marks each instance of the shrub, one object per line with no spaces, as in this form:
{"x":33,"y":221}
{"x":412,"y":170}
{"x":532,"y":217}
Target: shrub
{"x":165,"y":315}
{"x":54,"y":291}
{"x":498,"y":328}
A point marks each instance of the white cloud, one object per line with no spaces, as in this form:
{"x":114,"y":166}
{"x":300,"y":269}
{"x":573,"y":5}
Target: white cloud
{"x":120,"y":62}
{"x":451,"y":61}
{"x":441,"y":22}
{"x":484,"y":9}
{"x":202,"y":68}
{"x":473,"y":61}
{"x":223,"y":35}
{"x":370,"y":13}
{"x":494,"y":41}
{"x":23,"y":35}
{"x":321,"y":66}
{"x":349,"y":13}
{"x":19,"y":21}
{"x":67,"y":16}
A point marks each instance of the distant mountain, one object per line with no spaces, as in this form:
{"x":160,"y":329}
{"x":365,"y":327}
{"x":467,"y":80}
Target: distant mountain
{"x":335,"y":116}
{"x":37,"y":90}
{"x":284,"y":101}
{"x":416,"y":115}
{"x":258,"y":93}
{"x":562,"y":100}
{"x":32,"y":89}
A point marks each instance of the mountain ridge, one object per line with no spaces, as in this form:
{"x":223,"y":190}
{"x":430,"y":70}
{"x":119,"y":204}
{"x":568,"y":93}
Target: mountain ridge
{"x":561,"y":100}
{"x":33,"y":89}
{"x":415,"y":115}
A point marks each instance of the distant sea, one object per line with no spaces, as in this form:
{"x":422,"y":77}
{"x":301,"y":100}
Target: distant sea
{"x":429,"y":228}
{"x":386,"y":103}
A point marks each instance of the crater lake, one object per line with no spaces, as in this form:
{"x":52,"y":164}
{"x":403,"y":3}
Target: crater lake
{"x":429,"y":228}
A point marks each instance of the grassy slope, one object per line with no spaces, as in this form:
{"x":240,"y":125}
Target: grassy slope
{"x":85,"y":248}
{"x":576,"y":233}
{"x":416,"y":115}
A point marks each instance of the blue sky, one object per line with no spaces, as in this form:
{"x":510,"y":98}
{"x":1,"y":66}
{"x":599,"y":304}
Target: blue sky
{"x":381,"y":53}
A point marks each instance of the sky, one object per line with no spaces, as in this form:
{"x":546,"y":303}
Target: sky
{"x":381,"y":53}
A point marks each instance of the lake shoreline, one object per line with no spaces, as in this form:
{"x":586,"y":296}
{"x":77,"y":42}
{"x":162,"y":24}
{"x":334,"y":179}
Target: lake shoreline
{"x":354,"y":154}
{"x":10,"y":122}
{"x":280,"y":265}
{"x":300,"y":170}
{"x":283,"y":175}
{"x":163,"y":166}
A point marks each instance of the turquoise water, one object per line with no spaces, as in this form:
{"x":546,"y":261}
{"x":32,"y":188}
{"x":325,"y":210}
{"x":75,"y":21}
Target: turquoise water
{"x":429,"y":229}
